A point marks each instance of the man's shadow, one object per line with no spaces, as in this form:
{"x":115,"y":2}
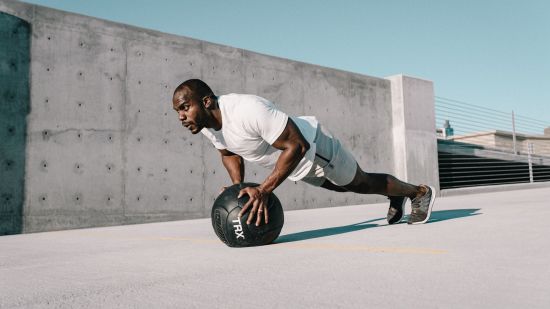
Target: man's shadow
{"x":437,"y":216}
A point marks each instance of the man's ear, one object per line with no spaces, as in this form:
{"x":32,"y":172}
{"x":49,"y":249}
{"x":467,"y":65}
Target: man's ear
{"x":208,"y":102}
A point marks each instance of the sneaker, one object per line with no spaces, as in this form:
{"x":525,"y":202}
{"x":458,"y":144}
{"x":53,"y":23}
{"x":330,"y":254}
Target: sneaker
{"x":397,"y":209}
{"x":422,"y":207}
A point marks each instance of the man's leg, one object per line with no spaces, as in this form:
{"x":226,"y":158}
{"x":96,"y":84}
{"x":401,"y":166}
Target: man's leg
{"x":341,"y":173}
{"x":422,"y":196}
{"x":396,"y":210}
{"x":384,"y":184}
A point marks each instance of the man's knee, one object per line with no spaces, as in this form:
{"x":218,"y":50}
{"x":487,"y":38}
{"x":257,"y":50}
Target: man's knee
{"x":330,"y":186}
{"x":359,"y":181}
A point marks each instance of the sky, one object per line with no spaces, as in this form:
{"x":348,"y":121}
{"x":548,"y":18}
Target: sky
{"x":490,"y":53}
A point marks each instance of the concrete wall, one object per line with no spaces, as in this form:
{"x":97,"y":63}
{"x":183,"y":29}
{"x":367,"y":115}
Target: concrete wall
{"x":104,"y":146}
{"x":414,"y":140}
{"x":15,"y":36}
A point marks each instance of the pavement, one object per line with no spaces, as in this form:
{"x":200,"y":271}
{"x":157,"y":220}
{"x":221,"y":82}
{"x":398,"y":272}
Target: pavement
{"x":489,"y":250}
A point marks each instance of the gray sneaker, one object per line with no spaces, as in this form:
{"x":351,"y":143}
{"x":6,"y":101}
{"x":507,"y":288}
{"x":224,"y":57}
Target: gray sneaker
{"x":397,"y":209}
{"x":422,"y":206}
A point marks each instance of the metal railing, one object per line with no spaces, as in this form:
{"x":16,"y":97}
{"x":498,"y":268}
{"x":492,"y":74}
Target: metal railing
{"x":483,"y":146}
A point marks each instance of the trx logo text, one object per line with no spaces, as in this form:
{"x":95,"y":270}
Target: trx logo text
{"x":238,"y":228}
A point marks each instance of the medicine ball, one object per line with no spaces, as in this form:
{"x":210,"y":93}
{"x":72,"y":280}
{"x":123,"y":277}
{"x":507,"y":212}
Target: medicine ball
{"x":236,"y":233}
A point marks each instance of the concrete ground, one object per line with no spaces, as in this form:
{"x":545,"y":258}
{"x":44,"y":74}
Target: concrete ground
{"x":488,"y":250}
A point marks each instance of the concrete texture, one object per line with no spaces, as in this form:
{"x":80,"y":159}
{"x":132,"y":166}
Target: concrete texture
{"x":104,"y":146}
{"x":478,"y":251}
{"x":15,"y":41}
{"x":415,"y":149}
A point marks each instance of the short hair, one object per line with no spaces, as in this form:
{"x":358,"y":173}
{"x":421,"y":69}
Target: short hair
{"x":198,"y":88}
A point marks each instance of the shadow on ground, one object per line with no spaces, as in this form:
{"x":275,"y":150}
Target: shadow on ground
{"x":442,"y":215}
{"x":326,"y":232}
{"x":437,"y":216}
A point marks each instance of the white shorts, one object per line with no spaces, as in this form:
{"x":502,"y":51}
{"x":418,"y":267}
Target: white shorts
{"x":333,"y":162}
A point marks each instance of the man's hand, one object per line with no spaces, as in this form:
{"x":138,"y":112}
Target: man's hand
{"x":258,"y":201}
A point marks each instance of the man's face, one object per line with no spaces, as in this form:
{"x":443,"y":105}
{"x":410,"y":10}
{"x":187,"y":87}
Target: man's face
{"x":192,"y":113}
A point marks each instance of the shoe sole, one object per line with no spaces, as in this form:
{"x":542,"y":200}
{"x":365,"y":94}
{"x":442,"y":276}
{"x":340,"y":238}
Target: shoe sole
{"x":432,"y":200}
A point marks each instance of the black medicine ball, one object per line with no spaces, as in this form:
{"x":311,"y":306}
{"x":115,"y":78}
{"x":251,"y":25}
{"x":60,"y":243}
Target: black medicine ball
{"x":236,"y":233}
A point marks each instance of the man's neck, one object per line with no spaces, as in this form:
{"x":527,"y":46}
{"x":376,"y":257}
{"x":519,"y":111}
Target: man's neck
{"x":216,"y":116}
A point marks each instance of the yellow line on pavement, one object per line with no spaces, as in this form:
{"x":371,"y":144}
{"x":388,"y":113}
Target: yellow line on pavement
{"x":325,"y":246}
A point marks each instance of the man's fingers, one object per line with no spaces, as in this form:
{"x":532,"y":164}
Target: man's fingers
{"x":252,"y":212}
{"x":266,"y":215}
{"x":260,"y":213}
{"x":245,"y":208}
{"x":241,"y":193}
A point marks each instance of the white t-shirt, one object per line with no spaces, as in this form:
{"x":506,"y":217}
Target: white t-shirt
{"x":250,"y":124}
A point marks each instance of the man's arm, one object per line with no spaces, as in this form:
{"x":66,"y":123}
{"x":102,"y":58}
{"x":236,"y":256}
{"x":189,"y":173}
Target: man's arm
{"x":234,"y":165}
{"x":294,"y":146}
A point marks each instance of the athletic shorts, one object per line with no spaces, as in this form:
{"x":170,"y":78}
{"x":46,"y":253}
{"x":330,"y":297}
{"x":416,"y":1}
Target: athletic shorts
{"x":332,"y":161}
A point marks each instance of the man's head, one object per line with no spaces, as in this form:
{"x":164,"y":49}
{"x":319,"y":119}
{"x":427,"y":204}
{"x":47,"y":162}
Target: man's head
{"x":194,"y":102}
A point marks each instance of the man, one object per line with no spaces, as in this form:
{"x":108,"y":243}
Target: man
{"x":298,"y":148}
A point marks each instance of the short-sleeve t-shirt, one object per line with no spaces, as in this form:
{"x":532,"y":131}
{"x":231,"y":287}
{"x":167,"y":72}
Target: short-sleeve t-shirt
{"x":251,"y":124}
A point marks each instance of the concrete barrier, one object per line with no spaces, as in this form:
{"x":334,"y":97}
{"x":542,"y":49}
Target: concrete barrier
{"x":104,"y":146}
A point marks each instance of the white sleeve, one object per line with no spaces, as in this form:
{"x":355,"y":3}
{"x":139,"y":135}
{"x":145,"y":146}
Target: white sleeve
{"x":267,"y":120}
{"x":216,"y":139}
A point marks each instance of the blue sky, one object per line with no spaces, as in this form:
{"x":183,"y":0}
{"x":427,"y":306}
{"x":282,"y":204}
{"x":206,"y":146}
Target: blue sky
{"x":489,"y":53}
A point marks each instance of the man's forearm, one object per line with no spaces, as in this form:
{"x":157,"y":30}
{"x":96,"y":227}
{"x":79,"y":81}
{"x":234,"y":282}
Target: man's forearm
{"x":287,"y":162}
{"x":235,"y":167}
